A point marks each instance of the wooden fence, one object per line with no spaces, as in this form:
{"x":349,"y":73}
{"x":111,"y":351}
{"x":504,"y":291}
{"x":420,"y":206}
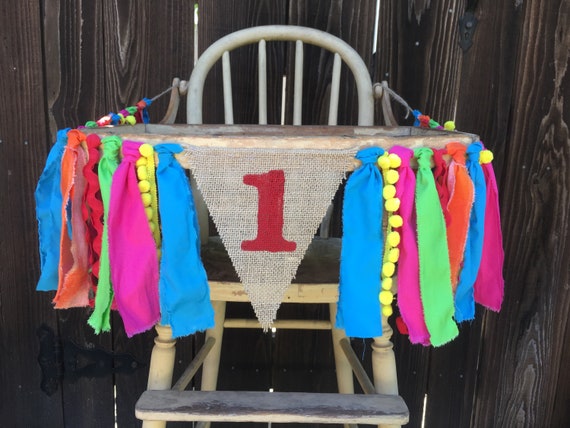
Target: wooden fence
{"x":65,"y":62}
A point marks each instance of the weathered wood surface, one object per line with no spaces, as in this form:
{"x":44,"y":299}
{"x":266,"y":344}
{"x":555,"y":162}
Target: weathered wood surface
{"x":23,"y":149}
{"x":251,"y":406}
{"x":524,"y":378}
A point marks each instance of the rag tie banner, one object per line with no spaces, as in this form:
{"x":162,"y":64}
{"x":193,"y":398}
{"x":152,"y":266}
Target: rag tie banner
{"x":118,"y":230}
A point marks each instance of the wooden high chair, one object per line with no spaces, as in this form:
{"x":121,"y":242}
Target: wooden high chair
{"x":381,"y":404}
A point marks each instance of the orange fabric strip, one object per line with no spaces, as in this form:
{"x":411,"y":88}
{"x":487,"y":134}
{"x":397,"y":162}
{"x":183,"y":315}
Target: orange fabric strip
{"x":74,"y":278}
{"x":459,"y":207}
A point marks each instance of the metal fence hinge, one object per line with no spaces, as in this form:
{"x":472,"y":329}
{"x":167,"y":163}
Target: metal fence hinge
{"x":66,"y":360}
{"x":467,"y":25}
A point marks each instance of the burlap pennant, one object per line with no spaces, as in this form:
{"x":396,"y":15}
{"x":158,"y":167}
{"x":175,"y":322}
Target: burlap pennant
{"x":267,"y":205}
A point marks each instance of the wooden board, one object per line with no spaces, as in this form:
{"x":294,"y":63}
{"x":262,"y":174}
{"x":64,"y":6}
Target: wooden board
{"x":23,"y":148}
{"x":523,"y":377}
{"x":249,"y":406}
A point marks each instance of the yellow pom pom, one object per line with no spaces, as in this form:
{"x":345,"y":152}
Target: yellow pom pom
{"x":386,"y":297}
{"x":147,"y":199}
{"x":392,"y":176}
{"x":395,"y":220}
{"x":389,"y":191}
{"x":144,"y":186}
{"x":387,"y":311}
{"x":384,"y":162}
{"x":149,"y":213}
{"x":393,"y":239}
{"x":486,"y":156}
{"x":449,"y":125}
{"x":393,"y":255}
{"x":388,"y":269}
{"x":141,"y":162}
{"x":395,"y":160}
{"x":152,"y":226}
{"x":159,"y":253}
{"x":392,"y":205}
{"x":146,"y":150}
{"x":142,"y":173}
{"x":131,"y":120}
{"x":387,"y":283}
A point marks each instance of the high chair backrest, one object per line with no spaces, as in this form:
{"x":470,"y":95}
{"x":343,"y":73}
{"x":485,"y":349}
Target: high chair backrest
{"x":286,"y":33}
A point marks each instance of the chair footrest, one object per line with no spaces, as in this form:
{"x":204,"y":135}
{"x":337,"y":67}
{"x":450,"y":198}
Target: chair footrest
{"x":292,"y":407}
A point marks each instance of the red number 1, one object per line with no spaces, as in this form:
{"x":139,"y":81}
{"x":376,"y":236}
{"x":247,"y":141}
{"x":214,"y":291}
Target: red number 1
{"x":270,"y":188}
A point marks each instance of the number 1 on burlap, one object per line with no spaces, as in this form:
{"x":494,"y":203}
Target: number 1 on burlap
{"x":271,"y":189}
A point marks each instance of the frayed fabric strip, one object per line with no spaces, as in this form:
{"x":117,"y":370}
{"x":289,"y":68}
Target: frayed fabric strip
{"x":74,"y":277}
{"x":184,"y":291}
{"x":409,"y":298}
{"x":489,"y":285}
{"x":435,"y":277}
{"x":464,"y":301}
{"x":48,"y":213}
{"x":361,"y":252}
{"x":100,"y":319}
{"x":459,"y":206}
{"x":132,"y":251}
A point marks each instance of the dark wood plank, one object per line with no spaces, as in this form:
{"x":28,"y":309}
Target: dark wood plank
{"x":88,"y":402}
{"x":74,"y":63}
{"x":146,"y":45}
{"x":250,"y":406}
{"x":524,"y":364}
{"x":385,"y":61}
{"x":429,"y":58}
{"x":23,"y":149}
{"x":491,"y":85}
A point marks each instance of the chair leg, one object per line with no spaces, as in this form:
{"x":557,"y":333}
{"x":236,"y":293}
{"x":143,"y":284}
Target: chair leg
{"x":343,"y":370}
{"x":211,"y":365}
{"x":344,"y":377}
{"x":161,"y":366}
{"x":384,"y":364}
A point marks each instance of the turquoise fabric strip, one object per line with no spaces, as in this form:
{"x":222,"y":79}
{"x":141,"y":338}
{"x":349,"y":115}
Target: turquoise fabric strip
{"x":184,"y":292}
{"x":361,"y":253}
{"x":464,"y":300}
{"x":48,"y":213}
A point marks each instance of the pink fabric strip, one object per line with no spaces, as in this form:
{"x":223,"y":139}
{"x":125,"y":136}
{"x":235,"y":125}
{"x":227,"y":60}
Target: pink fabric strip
{"x":489,"y":285}
{"x":132,"y":251}
{"x":440,"y":177}
{"x":409,"y":297}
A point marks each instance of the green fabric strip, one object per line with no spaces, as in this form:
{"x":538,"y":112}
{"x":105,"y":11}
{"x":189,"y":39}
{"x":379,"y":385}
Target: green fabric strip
{"x":100,"y":318}
{"x":435,"y":274}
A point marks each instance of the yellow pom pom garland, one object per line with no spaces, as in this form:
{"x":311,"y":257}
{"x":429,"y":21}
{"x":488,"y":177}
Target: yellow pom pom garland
{"x":486,"y":156}
{"x":147,"y":186}
{"x":388,"y":164}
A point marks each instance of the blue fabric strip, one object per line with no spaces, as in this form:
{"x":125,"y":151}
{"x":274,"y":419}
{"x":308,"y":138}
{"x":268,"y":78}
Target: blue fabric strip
{"x":464,"y":300}
{"x":184,"y":292}
{"x":361,"y":253}
{"x":48,"y":213}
